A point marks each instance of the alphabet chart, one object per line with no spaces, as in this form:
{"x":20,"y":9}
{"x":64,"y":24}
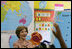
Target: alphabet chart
{"x":43,"y":22}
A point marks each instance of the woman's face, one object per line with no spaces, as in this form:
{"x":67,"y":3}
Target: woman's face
{"x":23,"y":34}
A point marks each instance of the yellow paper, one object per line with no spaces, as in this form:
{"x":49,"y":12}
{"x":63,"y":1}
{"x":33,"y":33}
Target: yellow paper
{"x":51,"y":4}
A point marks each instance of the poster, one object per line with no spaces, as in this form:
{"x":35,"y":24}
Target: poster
{"x":43,"y":23}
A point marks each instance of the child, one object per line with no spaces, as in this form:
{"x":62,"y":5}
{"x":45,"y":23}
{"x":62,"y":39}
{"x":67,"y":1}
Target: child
{"x":58,"y":35}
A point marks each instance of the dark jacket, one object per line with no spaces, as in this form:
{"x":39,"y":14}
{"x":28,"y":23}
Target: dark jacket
{"x":43,"y":45}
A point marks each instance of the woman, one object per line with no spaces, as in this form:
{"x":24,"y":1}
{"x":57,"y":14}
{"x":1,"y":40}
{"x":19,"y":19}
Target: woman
{"x":21,"y":33}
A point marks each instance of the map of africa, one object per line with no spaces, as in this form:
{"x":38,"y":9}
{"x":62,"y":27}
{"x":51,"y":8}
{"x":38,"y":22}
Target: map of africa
{"x":15,"y":13}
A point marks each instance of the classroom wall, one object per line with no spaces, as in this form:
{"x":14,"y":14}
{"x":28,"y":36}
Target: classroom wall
{"x":50,"y":5}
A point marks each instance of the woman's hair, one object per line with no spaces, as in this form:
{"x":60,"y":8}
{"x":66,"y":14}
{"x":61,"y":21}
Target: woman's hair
{"x":19,"y":29}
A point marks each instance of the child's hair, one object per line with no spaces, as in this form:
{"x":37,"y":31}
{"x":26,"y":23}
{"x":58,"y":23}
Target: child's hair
{"x":19,"y":29}
{"x":36,"y":37}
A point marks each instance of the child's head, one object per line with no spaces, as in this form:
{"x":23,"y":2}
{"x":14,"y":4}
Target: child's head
{"x":21,"y":32}
{"x":36,"y":37}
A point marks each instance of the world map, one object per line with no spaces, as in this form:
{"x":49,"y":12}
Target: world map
{"x":14,"y":14}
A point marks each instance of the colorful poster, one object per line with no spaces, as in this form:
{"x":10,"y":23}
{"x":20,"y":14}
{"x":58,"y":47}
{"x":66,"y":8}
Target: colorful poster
{"x":43,"y":23}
